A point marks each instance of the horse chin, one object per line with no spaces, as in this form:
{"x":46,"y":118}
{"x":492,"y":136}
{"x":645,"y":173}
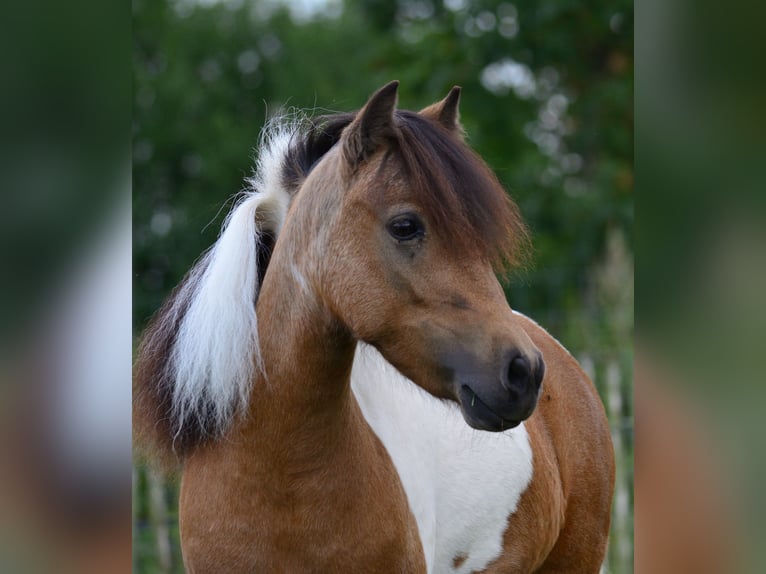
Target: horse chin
{"x":480,"y":416}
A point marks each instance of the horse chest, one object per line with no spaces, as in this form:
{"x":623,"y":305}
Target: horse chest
{"x":236,"y":516}
{"x":462,"y":485}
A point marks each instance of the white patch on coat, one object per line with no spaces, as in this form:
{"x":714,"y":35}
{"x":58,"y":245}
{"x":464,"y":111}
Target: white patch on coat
{"x":462,"y":484}
{"x":300,"y":279}
{"x":216,"y":351}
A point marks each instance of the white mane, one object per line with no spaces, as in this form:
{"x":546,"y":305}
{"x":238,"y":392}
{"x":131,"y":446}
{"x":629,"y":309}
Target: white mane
{"x":216,"y":352}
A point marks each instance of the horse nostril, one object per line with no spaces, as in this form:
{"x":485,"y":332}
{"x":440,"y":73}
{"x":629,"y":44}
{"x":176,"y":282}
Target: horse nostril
{"x":519,"y":372}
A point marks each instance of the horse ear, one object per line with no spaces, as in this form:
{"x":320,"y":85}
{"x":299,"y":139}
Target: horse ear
{"x":446,"y":111}
{"x":372,"y":126}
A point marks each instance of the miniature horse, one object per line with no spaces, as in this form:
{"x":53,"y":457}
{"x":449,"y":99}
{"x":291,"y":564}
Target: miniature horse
{"x":315,"y":371}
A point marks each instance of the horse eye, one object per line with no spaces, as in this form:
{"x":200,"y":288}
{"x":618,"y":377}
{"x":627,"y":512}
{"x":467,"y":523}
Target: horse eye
{"x":405,"y":228}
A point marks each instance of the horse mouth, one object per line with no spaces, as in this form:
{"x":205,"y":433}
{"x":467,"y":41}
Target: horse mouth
{"x":480,"y":416}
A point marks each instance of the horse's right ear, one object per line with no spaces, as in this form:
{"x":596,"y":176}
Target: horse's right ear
{"x":372,"y":126}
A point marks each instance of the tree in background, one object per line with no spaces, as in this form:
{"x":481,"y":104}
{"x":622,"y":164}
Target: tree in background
{"x":547,"y":102}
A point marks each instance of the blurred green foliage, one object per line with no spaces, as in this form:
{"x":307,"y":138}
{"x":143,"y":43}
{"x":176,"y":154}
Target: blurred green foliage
{"x":555,"y":123}
{"x":547,"y":101}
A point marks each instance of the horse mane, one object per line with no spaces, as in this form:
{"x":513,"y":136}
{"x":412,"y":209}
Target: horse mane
{"x":317,"y":136}
{"x":198,"y":355}
{"x":468,"y":206}
{"x":200,"y":352}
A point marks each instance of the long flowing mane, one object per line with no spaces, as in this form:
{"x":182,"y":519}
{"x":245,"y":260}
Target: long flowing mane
{"x":200,"y":353}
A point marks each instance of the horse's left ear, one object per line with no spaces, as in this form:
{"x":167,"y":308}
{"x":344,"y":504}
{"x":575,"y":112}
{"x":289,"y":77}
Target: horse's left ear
{"x":446,"y":111}
{"x":372,"y":126}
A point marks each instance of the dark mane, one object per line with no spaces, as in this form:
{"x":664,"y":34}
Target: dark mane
{"x":469,"y":207}
{"x":154,"y":426}
{"x":310,"y":145}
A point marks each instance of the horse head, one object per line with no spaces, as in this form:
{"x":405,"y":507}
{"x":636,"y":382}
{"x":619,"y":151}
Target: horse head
{"x":411,"y":228}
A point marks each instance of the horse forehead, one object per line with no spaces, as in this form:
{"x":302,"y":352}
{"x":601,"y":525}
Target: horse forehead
{"x":383,"y":175}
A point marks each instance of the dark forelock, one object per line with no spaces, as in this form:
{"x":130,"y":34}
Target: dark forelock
{"x":463,"y":199}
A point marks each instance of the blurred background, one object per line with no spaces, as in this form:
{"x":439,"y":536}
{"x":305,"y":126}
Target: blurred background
{"x":547,"y":101}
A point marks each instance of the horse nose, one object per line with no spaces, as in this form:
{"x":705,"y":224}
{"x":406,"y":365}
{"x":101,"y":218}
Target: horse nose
{"x":522,"y":376}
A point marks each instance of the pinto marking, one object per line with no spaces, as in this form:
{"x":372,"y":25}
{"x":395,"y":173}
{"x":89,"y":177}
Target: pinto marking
{"x":439,"y":459}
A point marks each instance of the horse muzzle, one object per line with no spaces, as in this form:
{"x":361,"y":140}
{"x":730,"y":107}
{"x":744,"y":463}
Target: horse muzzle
{"x":496,"y":406}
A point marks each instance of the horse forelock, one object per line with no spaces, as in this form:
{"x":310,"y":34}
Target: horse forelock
{"x":468,"y":206}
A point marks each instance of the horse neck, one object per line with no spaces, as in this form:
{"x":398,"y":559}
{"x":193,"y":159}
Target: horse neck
{"x":305,"y":444}
{"x":302,"y":397}
{"x":306,"y":353}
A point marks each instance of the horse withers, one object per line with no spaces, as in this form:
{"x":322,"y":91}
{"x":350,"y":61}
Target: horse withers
{"x":326,"y":374}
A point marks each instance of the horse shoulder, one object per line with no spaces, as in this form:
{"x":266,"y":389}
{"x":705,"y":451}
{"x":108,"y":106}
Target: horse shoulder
{"x":573,"y":462}
{"x":571,"y":410}
{"x":246,"y":512}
